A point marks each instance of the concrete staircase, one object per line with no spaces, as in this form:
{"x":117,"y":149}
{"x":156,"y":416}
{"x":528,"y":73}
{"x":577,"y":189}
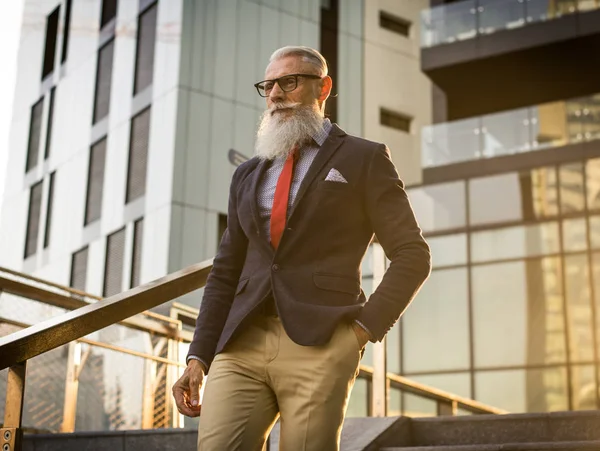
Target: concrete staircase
{"x":561,"y":431}
{"x":573,"y":431}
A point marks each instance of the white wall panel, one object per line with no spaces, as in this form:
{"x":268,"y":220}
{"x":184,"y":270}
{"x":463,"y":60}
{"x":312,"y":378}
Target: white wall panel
{"x":204,"y":68}
{"x":198,"y":150}
{"x":289,"y":29}
{"x":245,"y":129}
{"x":221,"y":141}
{"x":161,"y":151}
{"x":249,"y":69}
{"x":168,"y":47}
{"x":225,"y":63}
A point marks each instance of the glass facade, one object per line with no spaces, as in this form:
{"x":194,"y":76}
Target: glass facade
{"x":539,"y":127}
{"x":509,"y":315}
{"x":459,"y":21}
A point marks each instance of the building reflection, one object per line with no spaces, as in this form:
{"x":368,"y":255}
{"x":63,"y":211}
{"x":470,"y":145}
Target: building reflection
{"x":507,"y":316}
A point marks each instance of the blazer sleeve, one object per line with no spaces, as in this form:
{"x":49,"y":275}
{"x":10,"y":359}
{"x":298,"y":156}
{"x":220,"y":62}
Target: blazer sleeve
{"x":394,"y":223}
{"x":221,"y":283}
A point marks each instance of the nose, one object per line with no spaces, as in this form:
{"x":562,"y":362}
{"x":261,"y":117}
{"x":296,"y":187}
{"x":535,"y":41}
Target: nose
{"x":277,"y":94}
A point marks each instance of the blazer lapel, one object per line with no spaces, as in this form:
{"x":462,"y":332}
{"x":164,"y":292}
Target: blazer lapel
{"x":330,"y":146}
{"x":256,"y":178}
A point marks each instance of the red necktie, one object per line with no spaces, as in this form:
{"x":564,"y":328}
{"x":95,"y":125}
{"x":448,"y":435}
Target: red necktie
{"x":281,"y":199}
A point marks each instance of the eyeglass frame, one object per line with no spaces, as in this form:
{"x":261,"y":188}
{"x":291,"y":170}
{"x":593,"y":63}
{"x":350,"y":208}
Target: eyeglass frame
{"x":276,"y":80}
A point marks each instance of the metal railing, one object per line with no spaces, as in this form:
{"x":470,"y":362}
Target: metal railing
{"x":80,"y":318}
{"x":459,"y":21}
{"x":522,"y":130}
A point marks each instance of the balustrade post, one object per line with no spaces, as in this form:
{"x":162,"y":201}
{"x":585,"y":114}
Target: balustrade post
{"x":447,"y":408}
{"x":379,"y":383}
{"x":74,"y":364}
{"x":11,"y":434}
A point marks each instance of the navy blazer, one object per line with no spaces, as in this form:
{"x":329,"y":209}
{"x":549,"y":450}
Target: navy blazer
{"x":315,"y":274}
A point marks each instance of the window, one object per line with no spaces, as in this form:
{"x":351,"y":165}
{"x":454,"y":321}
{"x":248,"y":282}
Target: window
{"x":592,"y":174}
{"x":50,"y":47}
{"x":79,"y":262}
{"x":520,"y":390}
{"x":572,"y":187}
{"x":579,"y":318}
{"x":442,"y":305}
{"x":440,"y":207}
{"x":515,"y":242}
{"x":50,"y":120}
{"x":394,"y":23}
{"x":518,"y":314}
{"x":33,"y":219}
{"x":513,"y":196}
{"x":144,"y":63}
{"x":136,"y":262}
{"x":395,"y":120}
{"x":35,"y":131}
{"x":329,"y":45}
{"x":448,"y":250}
{"x":95,"y":187}
{"x":583,"y":387}
{"x":222,"y":226}
{"x":574,"y":235}
{"x":65,"y":44}
{"x":113,"y":271}
{"x":103,"y":81}
{"x":138,"y":156}
{"x":49,"y":211}
{"x":109,"y":12}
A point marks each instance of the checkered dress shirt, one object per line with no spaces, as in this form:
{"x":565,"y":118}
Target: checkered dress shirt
{"x":266,"y":189}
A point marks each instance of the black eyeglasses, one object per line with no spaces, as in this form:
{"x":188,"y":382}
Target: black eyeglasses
{"x":287,"y":83}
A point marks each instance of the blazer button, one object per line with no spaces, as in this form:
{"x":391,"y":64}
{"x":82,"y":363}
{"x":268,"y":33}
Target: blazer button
{"x":275,"y":267}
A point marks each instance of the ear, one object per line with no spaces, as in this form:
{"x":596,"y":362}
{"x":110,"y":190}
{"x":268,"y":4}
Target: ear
{"x":327,"y":84}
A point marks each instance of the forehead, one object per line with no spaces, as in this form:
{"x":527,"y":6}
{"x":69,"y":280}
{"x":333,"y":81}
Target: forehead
{"x":288,"y":65}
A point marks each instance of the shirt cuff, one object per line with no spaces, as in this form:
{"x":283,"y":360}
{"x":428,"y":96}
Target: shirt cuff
{"x":365,"y":329}
{"x":193,"y":357}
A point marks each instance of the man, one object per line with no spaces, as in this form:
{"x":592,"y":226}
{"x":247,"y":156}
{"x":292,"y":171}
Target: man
{"x":284,"y":322}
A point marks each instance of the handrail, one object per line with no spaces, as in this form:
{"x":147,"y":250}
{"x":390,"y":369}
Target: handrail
{"x":50,"y":334}
{"x":69,"y":303}
{"x":72,"y":291}
{"x":425,"y":391}
{"x":100,"y":344}
{"x":85,"y":318}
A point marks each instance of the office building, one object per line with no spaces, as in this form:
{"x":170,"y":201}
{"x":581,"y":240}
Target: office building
{"x":124,"y":114}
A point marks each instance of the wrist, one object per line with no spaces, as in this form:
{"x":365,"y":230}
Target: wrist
{"x":195,"y":363}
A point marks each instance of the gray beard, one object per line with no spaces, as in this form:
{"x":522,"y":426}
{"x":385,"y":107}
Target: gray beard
{"x":276,"y":136}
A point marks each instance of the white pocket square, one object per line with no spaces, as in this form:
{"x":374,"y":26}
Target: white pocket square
{"x":335,"y":176}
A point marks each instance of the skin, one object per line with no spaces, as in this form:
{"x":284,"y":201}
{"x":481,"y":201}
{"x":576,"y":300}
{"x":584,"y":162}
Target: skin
{"x":186,"y":390}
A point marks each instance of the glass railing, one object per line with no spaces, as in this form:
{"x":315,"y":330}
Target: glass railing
{"x":459,"y":21}
{"x":528,"y":129}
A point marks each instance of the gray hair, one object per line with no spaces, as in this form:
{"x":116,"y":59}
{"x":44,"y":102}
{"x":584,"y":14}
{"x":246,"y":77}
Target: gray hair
{"x":307,"y":54}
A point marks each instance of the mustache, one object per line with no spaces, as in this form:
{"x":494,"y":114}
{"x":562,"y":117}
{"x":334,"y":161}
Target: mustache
{"x":283,"y":106}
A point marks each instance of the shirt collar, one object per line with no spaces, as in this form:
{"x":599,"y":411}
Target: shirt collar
{"x":322,"y":135}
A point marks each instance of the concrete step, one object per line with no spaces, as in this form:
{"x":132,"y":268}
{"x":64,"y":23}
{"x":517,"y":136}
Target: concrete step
{"x":555,"y":446}
{"x":495,"y":429}
{"x":358,"y":434}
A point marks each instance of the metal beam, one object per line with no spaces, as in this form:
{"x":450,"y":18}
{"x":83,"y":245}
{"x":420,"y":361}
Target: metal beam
{"x":15,"y":395}
{"x":379,"y":381}
{"x":11,"y":434}
{"x":108,"y":346}
{"x":63,"y":329}
{"x":425,"y":391}
{"x":70,"y":303}
{"x":71,"y":387}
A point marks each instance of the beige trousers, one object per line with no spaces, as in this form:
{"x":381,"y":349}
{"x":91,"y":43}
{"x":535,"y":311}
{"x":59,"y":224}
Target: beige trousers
{"x":262,"y":375}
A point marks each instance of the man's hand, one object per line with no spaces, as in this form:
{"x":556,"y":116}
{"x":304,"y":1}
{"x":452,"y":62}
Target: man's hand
{"x":361,"y":334}
{"x":186,"y":390}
